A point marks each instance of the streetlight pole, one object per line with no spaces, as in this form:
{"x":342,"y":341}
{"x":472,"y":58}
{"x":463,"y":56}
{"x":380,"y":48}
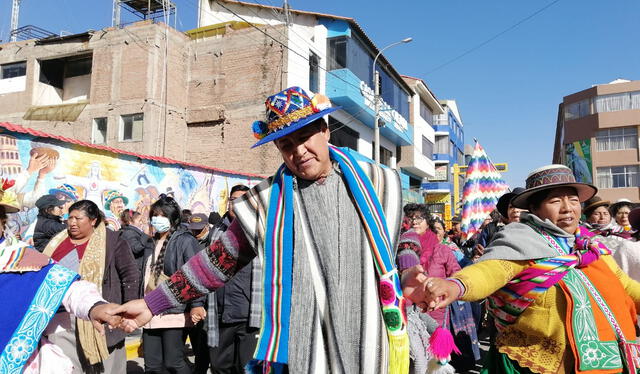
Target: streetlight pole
{"x":376,"y":100}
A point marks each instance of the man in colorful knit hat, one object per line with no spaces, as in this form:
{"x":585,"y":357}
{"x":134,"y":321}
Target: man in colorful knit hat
{"x":325,"y":227}
{"x":114,"y":203}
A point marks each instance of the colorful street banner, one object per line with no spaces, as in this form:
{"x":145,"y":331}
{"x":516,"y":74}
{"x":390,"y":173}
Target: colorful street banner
{"x":483,"y":187}
{"x":578,"y":159}
{"x":114,"y":181}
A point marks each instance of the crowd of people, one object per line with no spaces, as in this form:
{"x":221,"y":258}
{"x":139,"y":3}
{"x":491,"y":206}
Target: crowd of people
{"x":320,"y":268}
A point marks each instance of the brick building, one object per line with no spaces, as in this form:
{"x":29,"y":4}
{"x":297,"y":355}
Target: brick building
{"x":113,"y":87}
{"x":193,"y":96}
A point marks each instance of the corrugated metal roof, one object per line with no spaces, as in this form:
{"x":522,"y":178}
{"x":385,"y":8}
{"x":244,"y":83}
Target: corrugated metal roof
{"x":25,"y":130}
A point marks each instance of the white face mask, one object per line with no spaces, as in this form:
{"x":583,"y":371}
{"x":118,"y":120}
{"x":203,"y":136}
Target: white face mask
{"x":160,"y":224}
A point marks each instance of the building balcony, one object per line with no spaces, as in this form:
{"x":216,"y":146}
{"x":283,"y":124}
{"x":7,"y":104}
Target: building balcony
{"x":356,"y":98}
{"x":412,"y":160}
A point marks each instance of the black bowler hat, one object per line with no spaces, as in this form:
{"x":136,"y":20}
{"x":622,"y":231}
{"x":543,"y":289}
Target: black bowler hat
{"x":505,"y":200}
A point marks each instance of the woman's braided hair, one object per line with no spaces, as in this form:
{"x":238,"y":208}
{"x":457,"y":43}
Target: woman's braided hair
{"x":165,"y":206}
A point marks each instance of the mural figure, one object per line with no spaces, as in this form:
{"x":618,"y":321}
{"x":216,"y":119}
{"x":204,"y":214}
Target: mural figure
{"x":68,"y":193}
{"x":113,"y":181}
{"x":114,"y":204}
{"x":579,"y":160}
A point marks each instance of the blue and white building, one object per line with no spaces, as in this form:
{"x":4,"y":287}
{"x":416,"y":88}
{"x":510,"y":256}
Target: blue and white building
{"x":448,"y":150}
{"x":334,"y":56}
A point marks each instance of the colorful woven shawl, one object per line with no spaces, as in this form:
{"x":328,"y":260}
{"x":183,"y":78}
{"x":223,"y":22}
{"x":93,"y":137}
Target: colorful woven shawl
{"x":32,"y":289}
{"x":272,"y":350}
{"x":510,"y":301}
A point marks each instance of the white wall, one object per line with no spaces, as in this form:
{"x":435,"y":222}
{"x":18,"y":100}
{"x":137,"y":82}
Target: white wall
{"x":365,"y":141}
{"x":15,"y":84}
{"x":45,"y":94}
{"x":305,"y":36}
{"x":76,"y":88}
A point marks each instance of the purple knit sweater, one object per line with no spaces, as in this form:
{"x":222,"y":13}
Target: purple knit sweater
{"x":205,"y":272}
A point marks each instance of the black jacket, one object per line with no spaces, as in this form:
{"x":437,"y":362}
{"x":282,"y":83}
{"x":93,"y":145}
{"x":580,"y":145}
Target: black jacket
{"x":121,"y":278}
{"x":234,"y":298}
{"x":47,"y":226}
{"x":181,"y":247}
{"x":139,"y":242}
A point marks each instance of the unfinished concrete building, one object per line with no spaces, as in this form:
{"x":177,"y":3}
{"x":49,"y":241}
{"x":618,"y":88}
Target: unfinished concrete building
{"x":149,"y":88}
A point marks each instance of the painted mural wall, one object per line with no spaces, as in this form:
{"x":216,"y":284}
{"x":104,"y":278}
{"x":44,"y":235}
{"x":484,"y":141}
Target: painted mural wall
{"x":114,"y":181}
{"x":578,"y":159}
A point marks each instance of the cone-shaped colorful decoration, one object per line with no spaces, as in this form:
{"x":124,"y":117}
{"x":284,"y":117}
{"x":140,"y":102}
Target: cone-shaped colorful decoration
{"x":483,"y":187}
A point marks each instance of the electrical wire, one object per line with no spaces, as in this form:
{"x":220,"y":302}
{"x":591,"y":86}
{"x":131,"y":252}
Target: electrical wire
{"x":353,"y":116}
{"x":494,"y":37}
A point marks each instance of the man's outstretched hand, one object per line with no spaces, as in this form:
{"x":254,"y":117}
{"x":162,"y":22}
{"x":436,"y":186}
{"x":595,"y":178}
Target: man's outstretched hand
{"x":134,"y":313}
{"x":105,"y":313}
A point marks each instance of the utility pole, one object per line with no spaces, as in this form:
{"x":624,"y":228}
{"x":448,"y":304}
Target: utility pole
{"x":115,"y":16}
{"x":287,"y":12}
{"x":376,"y":99}
{"x":15,"y":12}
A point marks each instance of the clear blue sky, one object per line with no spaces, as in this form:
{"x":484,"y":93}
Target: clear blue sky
{"x":508,"y":91}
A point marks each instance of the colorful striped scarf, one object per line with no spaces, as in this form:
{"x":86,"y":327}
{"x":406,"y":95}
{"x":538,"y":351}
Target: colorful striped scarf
{"x":272,"y":350}
{"x":510,"y":301}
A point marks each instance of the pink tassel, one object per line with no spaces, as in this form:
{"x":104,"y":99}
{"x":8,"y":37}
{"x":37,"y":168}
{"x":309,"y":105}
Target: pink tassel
{"x":441,"y":344}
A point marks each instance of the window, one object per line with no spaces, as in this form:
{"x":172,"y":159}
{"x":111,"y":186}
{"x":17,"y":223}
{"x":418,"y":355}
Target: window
{"x":460,"y":158}
{"x":415,"y":183}
{"x":618,"y":176}
{"x":441,"y":119}
{"x":131,"y":126}
{"x":442,"y":144}
{"x":314,"y":76}
{"x":577,"y":110}
{"x":351,"y":53}
{"x":16,"y":69}
{"x":452,"y":151}
{"x":425,"y":112}
{"x":615,"y":139}
{"x":385,"y":156}
{"x":427,"y":148}
{"x":99,"y":131}
{"x":78,"y":66}
{"x":337,"y":53}
{"x":342,"y":136}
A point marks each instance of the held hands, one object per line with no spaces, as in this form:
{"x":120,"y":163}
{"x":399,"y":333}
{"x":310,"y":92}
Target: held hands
{"x":428,"y":293}
{"x":127,"y":317}
{"x":441,"y":293}
{"x":198,"y":314}
{"x":135,"y":314}
{"x":104,"y":314}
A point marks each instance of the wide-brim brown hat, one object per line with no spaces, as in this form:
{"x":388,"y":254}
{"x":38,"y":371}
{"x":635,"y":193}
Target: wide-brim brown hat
{"x":619,"y":204}
{"x":594,"y":203}
{"x":550,"y":177}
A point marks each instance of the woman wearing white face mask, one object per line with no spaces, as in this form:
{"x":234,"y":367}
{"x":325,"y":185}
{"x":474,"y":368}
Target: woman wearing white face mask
{"x":164,"y":336}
